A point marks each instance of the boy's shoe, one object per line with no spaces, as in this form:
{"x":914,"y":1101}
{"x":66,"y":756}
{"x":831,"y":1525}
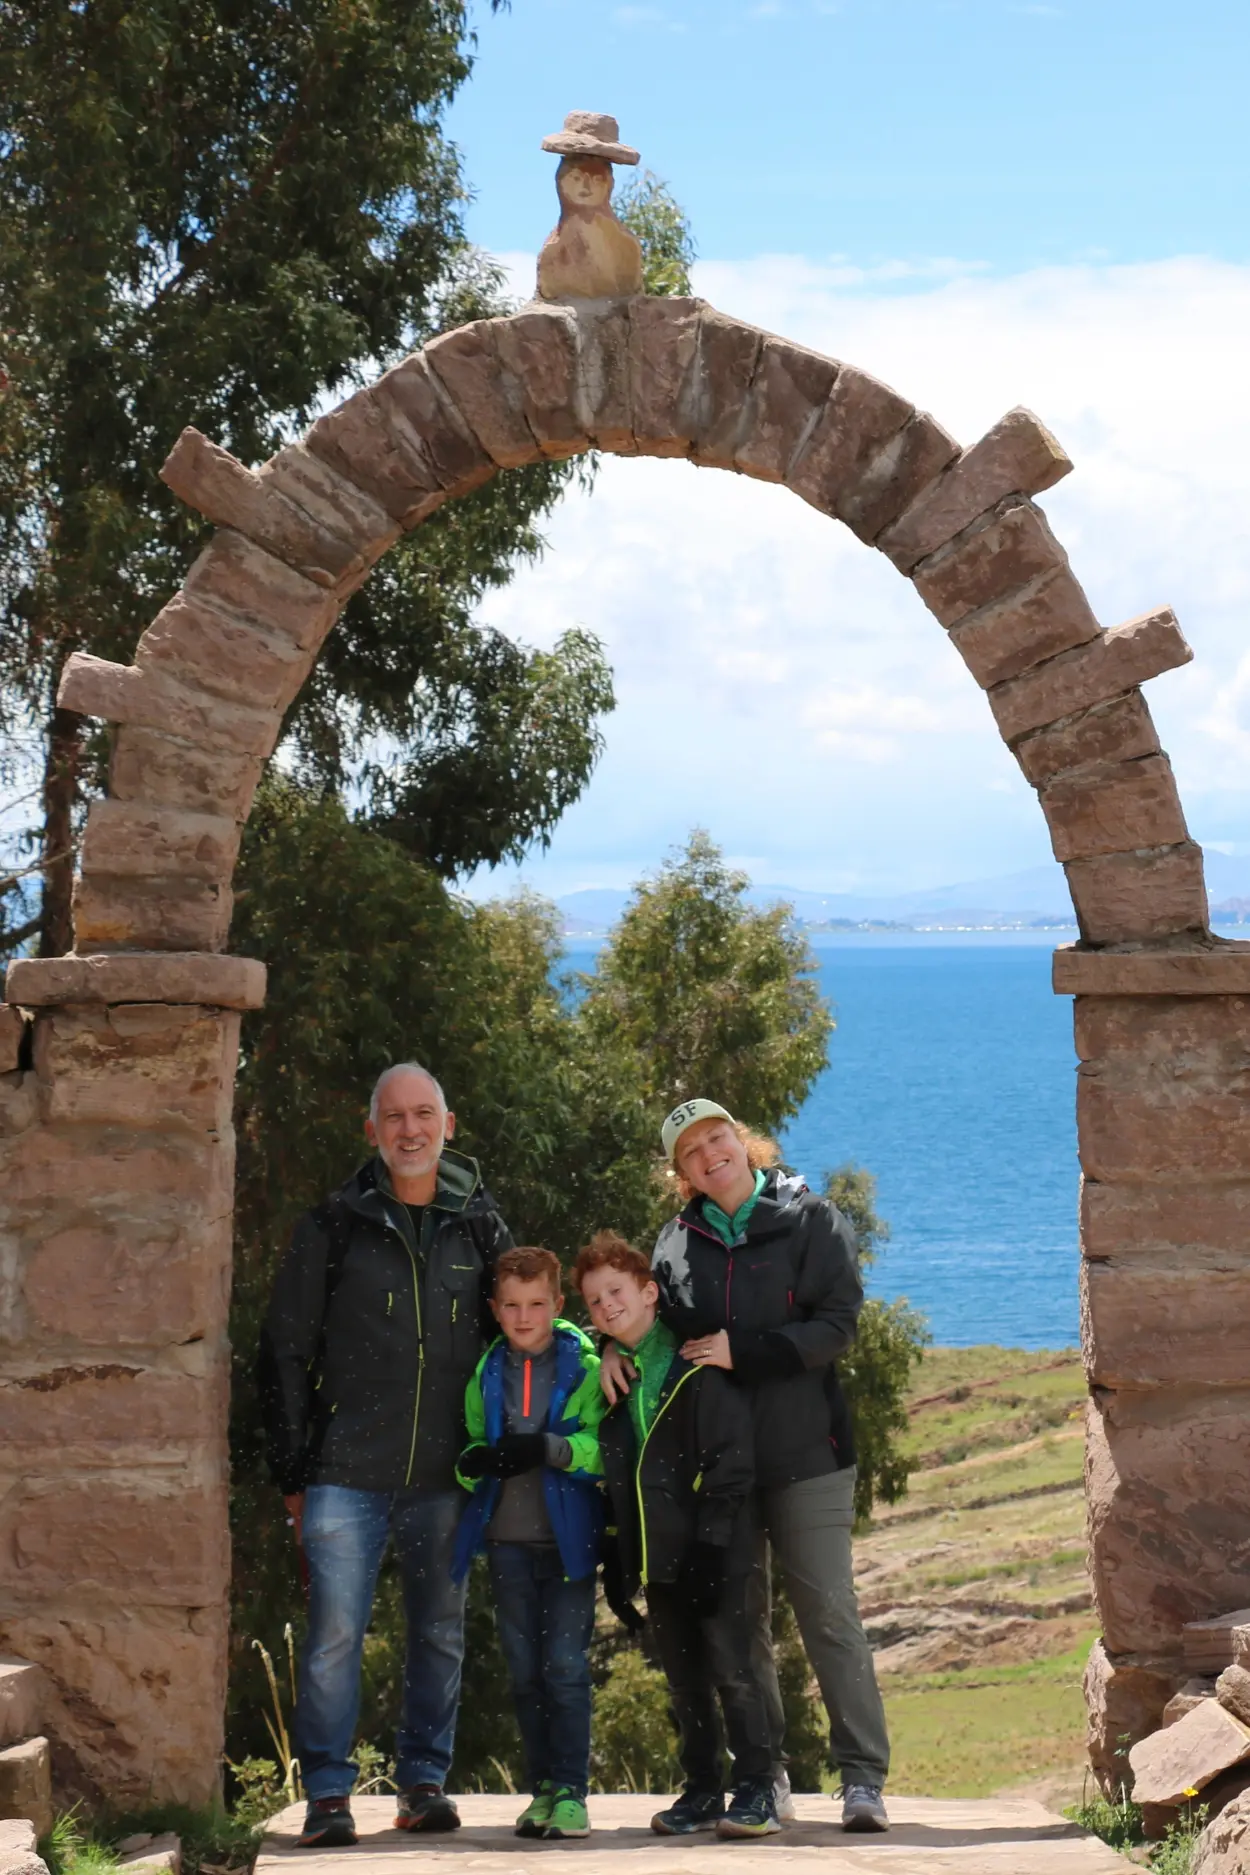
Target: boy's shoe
{"x":783,"y":1798}
{"x":693,"y":1811}
{"x":568,"y":1817}
{"x":536,"y":1815}
{"x":752,"y":1811}
{"x":328,"y":1824}
{"x":424,"y":1807}
{"x":862,"y":1809}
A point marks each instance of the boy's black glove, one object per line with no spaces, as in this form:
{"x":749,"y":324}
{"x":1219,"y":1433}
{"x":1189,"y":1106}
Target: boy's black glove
{"x":702,"y":1579}
{"x":614,"y":1589}
{"x":521,"y":1451}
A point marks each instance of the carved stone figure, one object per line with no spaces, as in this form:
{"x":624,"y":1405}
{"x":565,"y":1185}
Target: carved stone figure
{"x":590,"y":254}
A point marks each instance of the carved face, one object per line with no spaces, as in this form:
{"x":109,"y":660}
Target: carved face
{"x":584,"y":181}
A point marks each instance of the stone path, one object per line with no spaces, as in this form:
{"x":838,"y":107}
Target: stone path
{"x":993,"y":1836}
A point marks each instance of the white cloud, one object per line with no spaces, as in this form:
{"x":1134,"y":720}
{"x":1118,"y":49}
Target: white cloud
{"x":780,"y":684}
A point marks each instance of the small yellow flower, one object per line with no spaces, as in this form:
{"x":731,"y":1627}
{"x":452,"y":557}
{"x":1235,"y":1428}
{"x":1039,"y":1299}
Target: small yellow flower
{"x":1191,"y":1792}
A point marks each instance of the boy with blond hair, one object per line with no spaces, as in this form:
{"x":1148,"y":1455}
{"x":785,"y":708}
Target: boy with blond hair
{"x":677,"y":1458}
{"x":532,"y":1463}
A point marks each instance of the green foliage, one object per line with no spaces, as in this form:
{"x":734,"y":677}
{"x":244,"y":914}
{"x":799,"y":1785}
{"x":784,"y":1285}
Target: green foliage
{"x":646,"y":205}
{"x":1175,"y":1854}
{"x":68,"y":1849}
{"x":210,"y":1837}
{"x":633,"y":1738}
{"x":1118,"y":1822}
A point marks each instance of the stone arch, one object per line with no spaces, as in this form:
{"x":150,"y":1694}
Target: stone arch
{"x":117,"y":1196}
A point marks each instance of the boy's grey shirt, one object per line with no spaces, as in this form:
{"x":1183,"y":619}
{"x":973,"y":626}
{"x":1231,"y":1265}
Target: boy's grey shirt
{"x":521,"y":1513}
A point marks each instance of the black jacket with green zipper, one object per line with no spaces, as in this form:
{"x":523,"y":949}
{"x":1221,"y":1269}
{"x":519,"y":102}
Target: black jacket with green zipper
{"x":371,"y":1337}
{"x":689,"y":1481}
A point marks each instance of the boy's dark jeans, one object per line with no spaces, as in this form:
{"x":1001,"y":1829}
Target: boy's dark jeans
{"x":707,"y":1661}
{"x":545,"y":1625}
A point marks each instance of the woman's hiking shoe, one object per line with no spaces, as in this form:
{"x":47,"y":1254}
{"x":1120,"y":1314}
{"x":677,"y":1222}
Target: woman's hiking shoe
{"x":328,"y":1824}
{"x":752,"y":1811}
{"x":424,"y":1807}
{"x":862,"y":1809}
{"x":694,"y":1810}
{"x":536,"y":1815}
{"x":783,"y":1798}
{"x":568,"y":1817}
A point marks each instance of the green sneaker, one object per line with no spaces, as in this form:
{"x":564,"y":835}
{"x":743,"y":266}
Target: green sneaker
{"x":536,"y":1815}
{"x":568,"y":1817}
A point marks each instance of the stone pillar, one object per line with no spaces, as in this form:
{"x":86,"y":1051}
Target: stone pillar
{"x":1163,"y":1109}
{"x":116,"y":1191}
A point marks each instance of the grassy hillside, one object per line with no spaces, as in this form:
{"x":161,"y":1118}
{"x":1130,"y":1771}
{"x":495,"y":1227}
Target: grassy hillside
{"x":973,"y":1588}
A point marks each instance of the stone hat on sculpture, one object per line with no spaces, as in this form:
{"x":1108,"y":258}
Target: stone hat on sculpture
{"x":590,"y":133}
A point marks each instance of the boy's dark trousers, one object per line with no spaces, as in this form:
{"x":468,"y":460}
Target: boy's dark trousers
{"x":545,"y":1626}
{"x":705,"y":1662}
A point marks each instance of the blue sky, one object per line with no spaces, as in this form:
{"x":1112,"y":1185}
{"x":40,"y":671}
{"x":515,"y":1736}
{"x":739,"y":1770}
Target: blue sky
{"x":986,"y":203}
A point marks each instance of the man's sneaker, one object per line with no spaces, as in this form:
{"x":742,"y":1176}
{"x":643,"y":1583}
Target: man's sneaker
{"x":862,"y":1809}
{"x":536,"y":1815}
{"x":752,"y":1811}
{"x":328,"y":1824}
{"x":568,"y":1817}
{"x":693,"y":1811}
{"x":783,"y":1798}
{"x":424,"y":1807}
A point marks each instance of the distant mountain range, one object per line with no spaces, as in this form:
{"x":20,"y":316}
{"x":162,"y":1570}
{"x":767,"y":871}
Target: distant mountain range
{"x":1037,"y":897}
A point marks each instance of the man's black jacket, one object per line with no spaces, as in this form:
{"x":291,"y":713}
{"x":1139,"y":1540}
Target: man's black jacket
{"x":371,"y":1336}
{"x":789,"y":1294}
{"x":692,"y":1483}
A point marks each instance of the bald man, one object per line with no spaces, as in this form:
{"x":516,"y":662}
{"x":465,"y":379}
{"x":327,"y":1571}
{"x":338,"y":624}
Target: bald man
{"x":379,"y":1315}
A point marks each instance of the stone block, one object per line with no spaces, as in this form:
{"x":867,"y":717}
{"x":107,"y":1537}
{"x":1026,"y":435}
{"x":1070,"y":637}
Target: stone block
{"x":210,"y":480}
{"x":1113,"y":662}
{"x":1119,"y":730}
{"x":1124,"y":1699}
{"x":131,"y":1174}
{"x":361,"y":441}
{"x":12,"y":1030}
{"x":17,"y":1848}
{"x":861,"y":416}
{"x":93,"y":1413}
{"x":18,"y":1107}
{"x":428,"y":427}
{"x":138,"y":1695}
{"x":1191,"y":1694}
{"x":729,"y":352}
{"x":603,"y":373}
{"x":242,"y":581}
{"x":1118,"y":808}
{"x":150,"y":914}
{"x":1186,"y":1756}
{"x":26,"y":1783}
{"x":137,"y":1064}
{"x":132,"y":839}
{"x":165,"y":1546}
{"x":1210,"y":1645}
{"x":1223,"y":1848}
{"x":336,"y":506}
{"x":663,"y":366}
{"x":1163,"y":1091}
{"x":1187,"y":1220}
{"x":1019,"y":456}
{"x":538,"y":349}
{"x":1223,"y":970}
{"x":22,"y":1693}
{"x":207,"y":650}
{"x":467,"y":364}
{"x":1184,"y":1324}
{"x":1168,"y":1495}
{"x":138,"y":977}
{"x":788,"y":393}
{"x":1001,"y":552}
{"x":156,"y":1855}
{"x":893,"y":476}
{"x":147,"y":765}
{"x":122,"y":693}
{"x":1232,"y":1689}
{"x":116,"y":1283}
{"x":1049,"y":615}
{"x":1126,"y":898}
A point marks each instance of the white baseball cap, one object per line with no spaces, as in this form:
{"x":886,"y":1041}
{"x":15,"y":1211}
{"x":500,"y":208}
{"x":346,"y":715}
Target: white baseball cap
{"x":686,"y":1115}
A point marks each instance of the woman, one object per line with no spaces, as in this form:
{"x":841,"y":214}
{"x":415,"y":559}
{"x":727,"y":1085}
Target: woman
{"x":759,"y":1276}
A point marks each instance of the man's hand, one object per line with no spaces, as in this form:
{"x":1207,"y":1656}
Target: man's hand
{"x":708,"y":1350}
{"x":617,"y":1374}
{"x":295,"y":1513}
{"x":522,"y":1451}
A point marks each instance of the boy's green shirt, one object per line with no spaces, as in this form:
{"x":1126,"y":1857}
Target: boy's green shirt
{"x":586,"y":1405}
{"x":652,"y":1357}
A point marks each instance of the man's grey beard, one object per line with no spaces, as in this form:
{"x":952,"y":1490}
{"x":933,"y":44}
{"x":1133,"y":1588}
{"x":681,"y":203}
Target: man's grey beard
{"x":410,"y":1170}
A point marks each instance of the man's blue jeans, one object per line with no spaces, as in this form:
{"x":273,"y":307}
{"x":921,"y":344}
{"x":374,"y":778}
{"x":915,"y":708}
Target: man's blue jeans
{"x":345,"y":1537}
{"x":545,"y":1625}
